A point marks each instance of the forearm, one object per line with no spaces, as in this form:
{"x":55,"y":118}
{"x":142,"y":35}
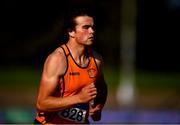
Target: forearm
{"x":51,"y":103}
{"x":47,"y":102}
{"x":99,"y":103}
{"x":102,"y":95}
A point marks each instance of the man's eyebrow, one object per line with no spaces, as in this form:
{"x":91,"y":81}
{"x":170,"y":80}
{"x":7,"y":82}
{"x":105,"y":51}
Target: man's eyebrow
{"x":87,"y":26}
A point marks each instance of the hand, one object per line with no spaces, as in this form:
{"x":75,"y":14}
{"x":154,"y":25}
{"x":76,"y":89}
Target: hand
{"x":95,"y":112}
{"x":87,"y":93}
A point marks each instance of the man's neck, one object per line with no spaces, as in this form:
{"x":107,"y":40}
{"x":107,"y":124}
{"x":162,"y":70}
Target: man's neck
{"x":78,"y":52}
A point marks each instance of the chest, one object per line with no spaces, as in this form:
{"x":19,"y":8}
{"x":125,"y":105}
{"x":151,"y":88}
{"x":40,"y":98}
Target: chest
{"x":77,"y":77}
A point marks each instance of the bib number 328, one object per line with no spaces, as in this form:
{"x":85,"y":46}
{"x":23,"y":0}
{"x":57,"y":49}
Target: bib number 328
{"x":73,"y":114}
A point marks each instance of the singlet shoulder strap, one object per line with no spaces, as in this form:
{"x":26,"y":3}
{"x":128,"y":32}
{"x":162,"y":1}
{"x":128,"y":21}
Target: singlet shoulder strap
{"x":64,"y":47}
{"x":92,"y":55}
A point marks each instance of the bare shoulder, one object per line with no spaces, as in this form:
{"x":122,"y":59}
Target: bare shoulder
{"x":58,"y":53}
{"x":56,"y":62}
{"x":98,"y":58}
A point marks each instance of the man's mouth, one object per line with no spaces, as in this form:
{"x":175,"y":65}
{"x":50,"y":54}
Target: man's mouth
{"x":91,"y":38}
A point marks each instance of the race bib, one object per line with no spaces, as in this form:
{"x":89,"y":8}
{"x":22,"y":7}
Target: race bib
{"x":76,"y":114}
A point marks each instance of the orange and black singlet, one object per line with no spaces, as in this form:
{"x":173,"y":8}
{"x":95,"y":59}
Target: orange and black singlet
{"x":74,"y":79}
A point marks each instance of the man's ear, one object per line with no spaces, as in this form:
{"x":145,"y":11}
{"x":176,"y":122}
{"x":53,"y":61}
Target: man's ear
{"x":72,"y":34}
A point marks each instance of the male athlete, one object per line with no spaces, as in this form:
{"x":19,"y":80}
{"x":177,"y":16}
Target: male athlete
{"x":72,"y":86}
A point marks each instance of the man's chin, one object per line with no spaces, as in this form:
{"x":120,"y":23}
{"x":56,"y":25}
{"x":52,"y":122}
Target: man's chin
{"x":89,"y":43}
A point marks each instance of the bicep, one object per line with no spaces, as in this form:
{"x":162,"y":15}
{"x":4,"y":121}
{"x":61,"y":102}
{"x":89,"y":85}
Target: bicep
{"x":47,"y":86}
{"x":52,"y":71}
{"x":100,"y":80}
{"x":100,"y":83}
{"x":102,"y":89}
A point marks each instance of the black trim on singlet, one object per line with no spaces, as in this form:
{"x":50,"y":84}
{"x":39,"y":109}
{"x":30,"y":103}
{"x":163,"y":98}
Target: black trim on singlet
{"x":96,"y":63}
{"x":75,"y":61}
{"x":66,"y":59}
{"x":63,"y":84}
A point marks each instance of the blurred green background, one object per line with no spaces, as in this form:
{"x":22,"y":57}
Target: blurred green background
{"x":32,"y":30}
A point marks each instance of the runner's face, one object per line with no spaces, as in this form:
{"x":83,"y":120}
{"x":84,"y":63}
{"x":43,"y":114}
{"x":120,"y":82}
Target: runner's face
{"x":84,"y":33}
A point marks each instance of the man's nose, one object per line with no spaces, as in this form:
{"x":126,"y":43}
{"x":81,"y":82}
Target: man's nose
{"x":91,"y":30}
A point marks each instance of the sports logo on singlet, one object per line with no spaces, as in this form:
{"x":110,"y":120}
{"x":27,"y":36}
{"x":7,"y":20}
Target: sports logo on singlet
{"x":76,"y":114}
{"x":92,"y":73}
{"x":74,"y":73}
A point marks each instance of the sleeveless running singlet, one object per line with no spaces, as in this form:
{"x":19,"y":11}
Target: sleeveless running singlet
{"x":74,"y":79}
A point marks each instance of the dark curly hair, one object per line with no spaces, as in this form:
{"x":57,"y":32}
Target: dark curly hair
{"x":69,"y":20}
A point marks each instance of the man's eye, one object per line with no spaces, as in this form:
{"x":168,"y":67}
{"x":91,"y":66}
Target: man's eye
{"x":86,"y":26}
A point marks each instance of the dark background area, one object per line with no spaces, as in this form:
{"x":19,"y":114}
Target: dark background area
{"x":30,"y":30}
{"x":158,"y":35}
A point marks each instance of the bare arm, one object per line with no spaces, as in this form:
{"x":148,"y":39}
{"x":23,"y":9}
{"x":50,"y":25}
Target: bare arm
{"x":102,"y":91}
{"x":54,"y":67}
